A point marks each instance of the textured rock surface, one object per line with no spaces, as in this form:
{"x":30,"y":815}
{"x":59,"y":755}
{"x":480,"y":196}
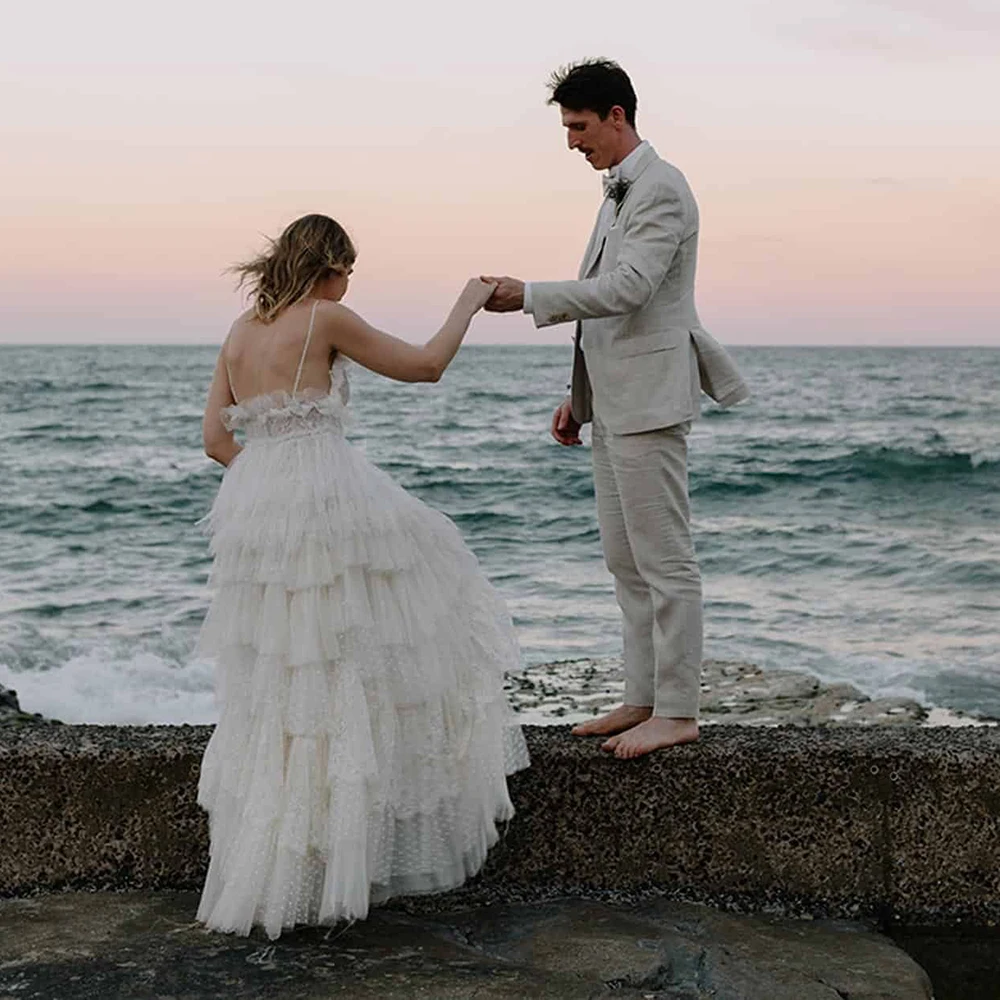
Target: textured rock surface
{"x":888,"y":822}
{"x":142,"y":946}
{"x":572,"y":690}
{"x":100,"y":807}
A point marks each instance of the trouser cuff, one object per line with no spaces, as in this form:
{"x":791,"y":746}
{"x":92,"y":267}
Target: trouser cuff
{"x":676,"y":709}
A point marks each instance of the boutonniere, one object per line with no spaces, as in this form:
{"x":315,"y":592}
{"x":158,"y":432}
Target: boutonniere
{"x":616,"y":190}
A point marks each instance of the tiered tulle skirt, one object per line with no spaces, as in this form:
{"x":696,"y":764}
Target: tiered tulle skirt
{"x":364,"y":737}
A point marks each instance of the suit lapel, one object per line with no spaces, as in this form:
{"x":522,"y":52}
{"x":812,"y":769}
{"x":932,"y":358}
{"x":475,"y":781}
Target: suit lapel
{"x":594,"y":246}
{"x":597,"y":237}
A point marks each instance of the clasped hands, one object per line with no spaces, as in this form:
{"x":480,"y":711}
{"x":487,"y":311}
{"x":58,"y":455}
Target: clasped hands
{"x":508,"y":296}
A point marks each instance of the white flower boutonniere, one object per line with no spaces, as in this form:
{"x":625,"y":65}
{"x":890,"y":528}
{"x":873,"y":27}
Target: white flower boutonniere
{"x":616,"y":190}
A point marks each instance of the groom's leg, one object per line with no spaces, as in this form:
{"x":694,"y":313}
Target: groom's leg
{"x":650,"y":471}
{"x":632,"y":592}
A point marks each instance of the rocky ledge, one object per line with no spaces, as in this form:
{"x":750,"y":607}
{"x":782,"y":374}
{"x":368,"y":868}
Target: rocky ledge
{"x":575,"y":690}
{"x":889,"y":822}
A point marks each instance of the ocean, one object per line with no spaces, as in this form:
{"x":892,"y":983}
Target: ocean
{"x":847,"y":519}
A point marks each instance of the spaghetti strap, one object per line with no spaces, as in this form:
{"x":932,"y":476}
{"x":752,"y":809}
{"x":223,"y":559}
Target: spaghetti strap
{"x":305,"y":347}
{"x":229,"y":374}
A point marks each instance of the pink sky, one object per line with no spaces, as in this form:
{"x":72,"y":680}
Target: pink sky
{"x":847,"y":161}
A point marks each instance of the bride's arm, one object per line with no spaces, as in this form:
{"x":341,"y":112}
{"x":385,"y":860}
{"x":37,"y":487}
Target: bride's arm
{"x":220,"y":444}
{"x":348,"y":333}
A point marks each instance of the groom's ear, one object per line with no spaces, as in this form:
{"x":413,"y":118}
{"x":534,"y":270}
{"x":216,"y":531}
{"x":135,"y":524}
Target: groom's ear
{"x":617,"y":115}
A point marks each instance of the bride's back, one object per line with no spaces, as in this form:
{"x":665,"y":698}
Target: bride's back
{"x":264,"y":357}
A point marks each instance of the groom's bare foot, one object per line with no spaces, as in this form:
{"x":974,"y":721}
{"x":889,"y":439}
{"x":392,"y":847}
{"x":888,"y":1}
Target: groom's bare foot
{"x":616,"y":721}
{"x":654,"y":733}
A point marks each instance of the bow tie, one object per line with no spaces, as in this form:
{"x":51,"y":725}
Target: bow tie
{"x":615,"y":188}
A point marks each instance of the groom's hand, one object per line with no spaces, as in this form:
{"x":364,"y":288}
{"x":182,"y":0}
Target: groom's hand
{"x":564,"y":428}
{"x":508,"y":296}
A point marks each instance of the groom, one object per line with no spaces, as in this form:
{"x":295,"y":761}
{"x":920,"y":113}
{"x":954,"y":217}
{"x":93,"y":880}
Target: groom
{"x":641,"y":359}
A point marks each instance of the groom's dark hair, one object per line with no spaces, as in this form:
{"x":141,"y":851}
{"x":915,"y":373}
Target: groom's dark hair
{"x":594,"y":85}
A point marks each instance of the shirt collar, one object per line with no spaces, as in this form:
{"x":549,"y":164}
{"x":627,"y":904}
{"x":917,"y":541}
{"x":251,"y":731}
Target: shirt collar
{"x":624,"y":170}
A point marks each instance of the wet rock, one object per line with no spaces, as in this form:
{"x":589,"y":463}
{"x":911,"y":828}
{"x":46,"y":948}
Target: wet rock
{"x":575,"y":690}
{"x":143,"y":946}
{"x":8,"y":700}
{"x":11,"y":714}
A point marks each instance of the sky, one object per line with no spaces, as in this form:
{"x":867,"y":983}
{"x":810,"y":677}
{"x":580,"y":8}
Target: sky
{"x":845,"y":155}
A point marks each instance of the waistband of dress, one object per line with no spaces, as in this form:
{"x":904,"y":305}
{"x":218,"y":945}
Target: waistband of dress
{"x":263,"y":437}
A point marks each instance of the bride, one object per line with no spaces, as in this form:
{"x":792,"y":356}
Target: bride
{"x":364,"y":737}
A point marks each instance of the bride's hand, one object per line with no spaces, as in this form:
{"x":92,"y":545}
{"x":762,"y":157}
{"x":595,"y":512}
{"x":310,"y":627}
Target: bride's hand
{"x":476,"y":294}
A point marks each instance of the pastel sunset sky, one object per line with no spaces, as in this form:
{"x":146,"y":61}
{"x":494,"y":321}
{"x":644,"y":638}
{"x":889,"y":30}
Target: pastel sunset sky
{"x":845,"y":154}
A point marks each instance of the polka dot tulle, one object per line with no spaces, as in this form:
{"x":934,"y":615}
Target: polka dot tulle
{"x":364,"y":738}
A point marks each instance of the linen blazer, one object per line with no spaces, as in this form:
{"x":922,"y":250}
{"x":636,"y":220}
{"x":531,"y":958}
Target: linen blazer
{"x":641,"y":355}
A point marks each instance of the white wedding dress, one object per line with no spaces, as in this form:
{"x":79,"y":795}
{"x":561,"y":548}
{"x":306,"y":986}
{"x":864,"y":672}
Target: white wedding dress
{"x":364,"y":736}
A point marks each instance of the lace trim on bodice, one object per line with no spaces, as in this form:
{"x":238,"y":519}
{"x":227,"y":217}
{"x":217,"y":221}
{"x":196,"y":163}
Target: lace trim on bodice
{"x":283,"y":413}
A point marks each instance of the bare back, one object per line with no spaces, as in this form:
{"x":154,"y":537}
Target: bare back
{"x":284,"y":355}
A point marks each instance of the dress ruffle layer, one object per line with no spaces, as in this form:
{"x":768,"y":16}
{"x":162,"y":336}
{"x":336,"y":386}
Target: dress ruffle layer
{"x":364,"y":736}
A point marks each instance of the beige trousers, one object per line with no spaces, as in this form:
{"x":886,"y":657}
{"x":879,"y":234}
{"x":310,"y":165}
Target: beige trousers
{"x":644,"y":517}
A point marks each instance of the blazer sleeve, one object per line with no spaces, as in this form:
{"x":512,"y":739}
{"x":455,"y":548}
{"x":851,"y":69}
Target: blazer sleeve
{"x":653,"y":229}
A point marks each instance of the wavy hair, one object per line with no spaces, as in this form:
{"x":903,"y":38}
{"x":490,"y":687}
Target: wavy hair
{"x":309,"y":250}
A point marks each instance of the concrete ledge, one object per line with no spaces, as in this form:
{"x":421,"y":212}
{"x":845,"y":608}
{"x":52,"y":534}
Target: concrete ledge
{"x":898,"y":824}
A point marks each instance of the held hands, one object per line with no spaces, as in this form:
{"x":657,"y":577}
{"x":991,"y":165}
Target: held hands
{"x":509,"y":294}
{"x":476,"y":294}
{"x":564,"y":428}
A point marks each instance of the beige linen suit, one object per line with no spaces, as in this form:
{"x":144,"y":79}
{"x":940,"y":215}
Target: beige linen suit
{"x":641,"y":360}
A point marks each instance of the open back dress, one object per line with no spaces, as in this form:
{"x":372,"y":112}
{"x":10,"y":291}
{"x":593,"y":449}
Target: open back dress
{"x":364,"y":737}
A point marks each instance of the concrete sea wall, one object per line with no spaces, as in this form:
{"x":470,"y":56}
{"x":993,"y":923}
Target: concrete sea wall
{"x":902,"y":824}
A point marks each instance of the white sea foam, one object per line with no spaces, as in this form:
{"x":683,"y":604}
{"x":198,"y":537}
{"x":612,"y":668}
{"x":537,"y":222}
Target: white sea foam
{"x":984,"y":456}
{"x":102,"y":689}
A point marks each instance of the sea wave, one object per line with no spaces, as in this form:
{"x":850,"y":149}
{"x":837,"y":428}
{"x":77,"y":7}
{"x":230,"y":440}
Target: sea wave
{"x":885,"y":462}
{"x":837,"y":514}
{"x":102,"y":688}
{"x":877,"y":465}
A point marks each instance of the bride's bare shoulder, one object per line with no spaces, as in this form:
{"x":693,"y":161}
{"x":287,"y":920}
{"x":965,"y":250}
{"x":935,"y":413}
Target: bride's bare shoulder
{"x":336,"y":318}
{"x":333,"y":312}
{"x":242,"y":323}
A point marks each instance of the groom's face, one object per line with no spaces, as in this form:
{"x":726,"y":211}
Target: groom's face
{"x":593,"y":137}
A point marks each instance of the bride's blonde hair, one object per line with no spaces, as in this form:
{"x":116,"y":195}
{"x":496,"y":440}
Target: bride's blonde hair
{"x":311,"y":249}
